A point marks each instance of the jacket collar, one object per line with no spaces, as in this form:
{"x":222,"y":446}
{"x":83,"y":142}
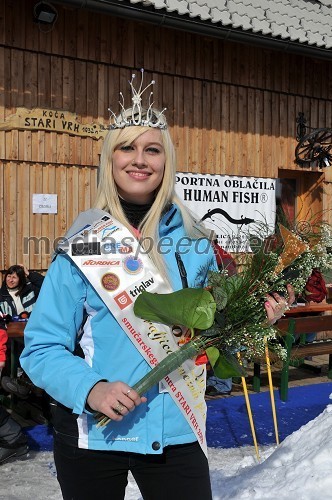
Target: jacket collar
{"x":170,"y":220}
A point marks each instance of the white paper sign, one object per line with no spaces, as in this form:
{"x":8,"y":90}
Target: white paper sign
{"x":230,"y":206}
{"x":45,"y":203}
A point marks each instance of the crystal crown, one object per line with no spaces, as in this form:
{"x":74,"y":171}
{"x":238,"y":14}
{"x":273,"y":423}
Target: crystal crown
{"x":138,"y":115}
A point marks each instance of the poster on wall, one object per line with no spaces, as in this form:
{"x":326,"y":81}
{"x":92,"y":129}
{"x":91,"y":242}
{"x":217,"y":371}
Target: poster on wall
{"x":231,"y":206}
{"x":44,"y":203}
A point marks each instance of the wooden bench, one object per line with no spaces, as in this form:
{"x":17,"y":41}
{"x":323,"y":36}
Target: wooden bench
{"x":302,"y":325}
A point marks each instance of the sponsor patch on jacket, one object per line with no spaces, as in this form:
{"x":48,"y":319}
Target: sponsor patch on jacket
{"x":103,"y":222}
{"x":110,"y":281}
{"x":106,"y":229}
{"x":140,"y":286}
{"x":86,"y":248}
{"x":100,"y":262}
{"x":132,"y":265}
{"x":115,"y":247}
{"x":123,"y":300}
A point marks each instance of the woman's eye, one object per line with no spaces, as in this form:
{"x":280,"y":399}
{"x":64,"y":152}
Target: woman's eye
{"x":153,"y":150}
{"x":126,"y":148}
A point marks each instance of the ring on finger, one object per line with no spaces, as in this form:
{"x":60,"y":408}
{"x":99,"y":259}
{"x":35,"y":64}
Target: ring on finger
{"x":119,"y":408}
{"x":129,"y":390}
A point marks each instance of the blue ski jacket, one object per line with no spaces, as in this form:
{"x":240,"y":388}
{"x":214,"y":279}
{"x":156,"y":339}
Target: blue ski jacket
{"x":67,"y":300}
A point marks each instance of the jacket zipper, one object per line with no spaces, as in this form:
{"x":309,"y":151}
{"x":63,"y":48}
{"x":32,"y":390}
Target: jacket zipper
{"x":182,"y":270}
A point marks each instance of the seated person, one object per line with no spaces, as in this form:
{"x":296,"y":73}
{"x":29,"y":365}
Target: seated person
{"x":18,"y":295}
{"x":19,"y":290}
{"x":315,"y":291}
{"x":13,"y":443}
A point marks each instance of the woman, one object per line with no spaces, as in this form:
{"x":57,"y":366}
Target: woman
{"x":18,"y":295}
{"x":13,"y":443}
{"x":19,"y":290}
{"x":150,"y":435}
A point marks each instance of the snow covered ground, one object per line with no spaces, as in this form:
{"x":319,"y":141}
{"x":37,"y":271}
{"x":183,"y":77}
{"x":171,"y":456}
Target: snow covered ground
{"x":301,"y":465}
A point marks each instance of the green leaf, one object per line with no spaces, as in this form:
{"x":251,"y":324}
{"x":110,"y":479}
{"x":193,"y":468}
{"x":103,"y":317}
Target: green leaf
{"x":190,"y":307}
{"x":224,"y":366}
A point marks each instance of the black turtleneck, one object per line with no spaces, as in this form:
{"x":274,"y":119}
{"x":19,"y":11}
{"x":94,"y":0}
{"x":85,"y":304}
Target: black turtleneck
{"x":135,"y":213}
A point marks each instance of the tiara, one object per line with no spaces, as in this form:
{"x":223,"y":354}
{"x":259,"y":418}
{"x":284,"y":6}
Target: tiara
{"x":137,"y":115}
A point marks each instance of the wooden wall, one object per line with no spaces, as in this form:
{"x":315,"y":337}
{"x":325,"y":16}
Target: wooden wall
{"x":232,"y":109}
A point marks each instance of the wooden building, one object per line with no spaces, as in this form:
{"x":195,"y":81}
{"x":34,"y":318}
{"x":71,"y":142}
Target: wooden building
{"x":233,"y":94}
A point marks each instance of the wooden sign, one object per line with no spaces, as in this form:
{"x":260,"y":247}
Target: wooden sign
{"x":52,"y":120}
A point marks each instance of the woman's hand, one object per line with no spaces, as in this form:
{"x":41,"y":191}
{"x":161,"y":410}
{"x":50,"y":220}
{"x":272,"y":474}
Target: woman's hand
{"x":276,"y":305}
{"x":25,"y":269}
{"x":114,"y":399}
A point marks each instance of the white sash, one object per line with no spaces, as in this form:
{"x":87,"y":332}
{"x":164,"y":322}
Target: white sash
{"x":118,"y":268}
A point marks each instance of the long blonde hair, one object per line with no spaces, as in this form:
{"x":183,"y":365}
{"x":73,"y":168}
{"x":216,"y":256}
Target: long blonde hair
{"x":108,"y":199}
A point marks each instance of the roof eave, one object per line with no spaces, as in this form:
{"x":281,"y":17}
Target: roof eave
{"x":193,"y":25}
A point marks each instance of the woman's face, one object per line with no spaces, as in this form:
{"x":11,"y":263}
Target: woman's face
{"x":138,"y":169}
{"x":12,"y":280}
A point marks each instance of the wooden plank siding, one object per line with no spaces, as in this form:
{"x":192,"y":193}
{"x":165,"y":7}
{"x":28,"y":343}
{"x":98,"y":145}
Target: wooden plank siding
{"x":29,"y":238}
{"x":231,"y":108}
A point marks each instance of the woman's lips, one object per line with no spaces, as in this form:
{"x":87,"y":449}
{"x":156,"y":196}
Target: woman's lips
{"x":139,"y":175}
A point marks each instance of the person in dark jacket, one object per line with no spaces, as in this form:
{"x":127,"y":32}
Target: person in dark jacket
{"x":19,"y":290}
{"x":18,"y":295}
{"x":13,"y":443}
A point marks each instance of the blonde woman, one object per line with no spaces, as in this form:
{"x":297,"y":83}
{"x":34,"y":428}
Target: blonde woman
{"x":84,"y":346}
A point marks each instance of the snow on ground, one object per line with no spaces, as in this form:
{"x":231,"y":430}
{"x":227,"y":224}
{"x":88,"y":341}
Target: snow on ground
{"x":301,"y":465}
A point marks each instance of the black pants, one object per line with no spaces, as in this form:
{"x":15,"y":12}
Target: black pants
{"x":180,"y":473}
{"x":10,"y":430}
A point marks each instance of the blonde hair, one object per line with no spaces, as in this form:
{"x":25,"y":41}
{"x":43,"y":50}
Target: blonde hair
{"x":108,"y":199}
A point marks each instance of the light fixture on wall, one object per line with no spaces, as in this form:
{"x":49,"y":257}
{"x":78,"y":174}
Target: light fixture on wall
{"x":315,"y":147}
{"x":44,"y":13}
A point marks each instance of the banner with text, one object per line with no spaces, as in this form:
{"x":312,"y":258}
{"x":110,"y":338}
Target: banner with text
{"x":230,"y":206}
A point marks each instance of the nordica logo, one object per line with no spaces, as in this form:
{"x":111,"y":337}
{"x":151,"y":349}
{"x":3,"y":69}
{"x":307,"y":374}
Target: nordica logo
{"x":100,"y":262}
{"x":140,"y":287}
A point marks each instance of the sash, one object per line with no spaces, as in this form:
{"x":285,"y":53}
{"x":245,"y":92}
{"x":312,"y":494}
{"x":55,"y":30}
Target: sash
{"x":119,"y":269}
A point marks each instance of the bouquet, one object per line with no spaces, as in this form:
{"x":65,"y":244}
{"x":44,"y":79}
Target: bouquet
{"x":315,"y":289}
{"x":228,"y":316}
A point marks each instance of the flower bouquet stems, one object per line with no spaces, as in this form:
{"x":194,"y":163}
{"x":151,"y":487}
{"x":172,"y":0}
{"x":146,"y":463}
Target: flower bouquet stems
{"x":166,"y":366}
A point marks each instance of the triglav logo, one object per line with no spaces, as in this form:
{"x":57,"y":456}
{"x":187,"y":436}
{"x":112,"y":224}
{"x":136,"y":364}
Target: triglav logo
{"x":123,"y":300}
{"x":140,"y":287}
